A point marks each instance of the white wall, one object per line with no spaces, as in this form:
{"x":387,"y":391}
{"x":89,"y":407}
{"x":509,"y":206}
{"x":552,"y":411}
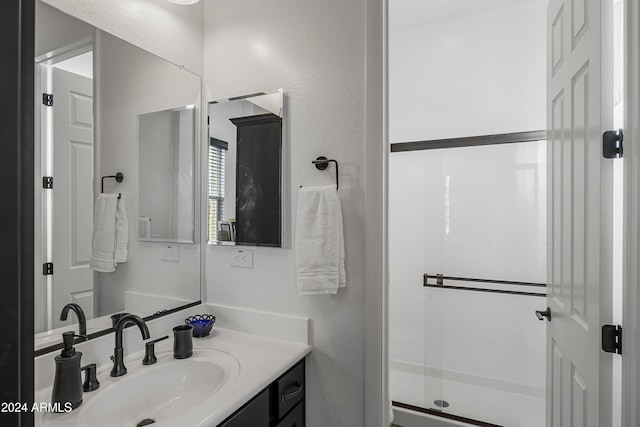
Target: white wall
{"x":168,"y":30}
{"x":315,"y":51}
{"x":56,"y":30}
{"x":489,"y":69}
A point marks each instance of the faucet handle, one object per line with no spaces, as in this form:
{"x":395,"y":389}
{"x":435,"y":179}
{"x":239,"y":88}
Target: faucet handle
{"x":91,"y":378}
{"x":149,"y":351}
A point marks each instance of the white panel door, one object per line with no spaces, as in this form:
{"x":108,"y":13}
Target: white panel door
{"x":72,"y":193}
{"x":579,"y":258}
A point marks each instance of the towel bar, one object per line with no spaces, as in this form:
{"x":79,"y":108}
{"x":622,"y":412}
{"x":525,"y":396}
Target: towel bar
{"x":322,"y":163}
{"x":119,"y":177}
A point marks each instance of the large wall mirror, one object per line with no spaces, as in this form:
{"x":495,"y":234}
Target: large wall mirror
{"x":118,"y":138}
{"x":245,"y":170}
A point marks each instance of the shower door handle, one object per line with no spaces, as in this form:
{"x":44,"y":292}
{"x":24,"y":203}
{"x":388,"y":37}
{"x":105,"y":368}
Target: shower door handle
{"x":546,"y":313}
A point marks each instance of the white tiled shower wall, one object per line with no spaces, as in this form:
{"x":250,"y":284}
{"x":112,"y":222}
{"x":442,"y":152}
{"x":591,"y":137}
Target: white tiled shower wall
{"x":476,"y":74}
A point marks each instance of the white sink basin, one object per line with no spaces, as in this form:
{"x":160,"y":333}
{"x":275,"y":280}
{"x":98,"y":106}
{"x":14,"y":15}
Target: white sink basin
{"x":162,"y":392}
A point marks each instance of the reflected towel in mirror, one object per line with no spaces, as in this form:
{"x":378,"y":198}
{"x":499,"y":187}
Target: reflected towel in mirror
{"x":122,"y":233}
{"x":110,"y":233}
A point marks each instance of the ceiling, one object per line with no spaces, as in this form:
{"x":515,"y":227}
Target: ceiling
{"x":410,"y":13}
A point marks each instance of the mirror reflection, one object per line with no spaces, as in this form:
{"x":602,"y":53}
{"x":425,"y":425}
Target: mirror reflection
{"x":245,"y":170}
{"x":166,"y":141}
{"x":87,"y":251}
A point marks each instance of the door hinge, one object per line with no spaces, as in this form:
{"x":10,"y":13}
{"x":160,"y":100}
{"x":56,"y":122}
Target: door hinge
{"x":612,"y":144}
{"x":47,"y":268}
{"x":47,"y":99}
{"x":47,"y":182}
{"x":612,"y":338}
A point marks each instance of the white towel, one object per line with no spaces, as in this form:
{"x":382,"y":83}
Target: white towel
{"x":122,"y":233}
{"x":319,"y":241}
{"x":144,"y":227}
{"x":104,"y":233}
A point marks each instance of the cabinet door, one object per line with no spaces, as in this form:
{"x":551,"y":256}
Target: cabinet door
{"x":295,"y":418}
{"x":254,"y":414}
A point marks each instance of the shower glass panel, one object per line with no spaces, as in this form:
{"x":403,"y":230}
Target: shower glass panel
{"x":415,"y":318}
{"x":477,"y":216}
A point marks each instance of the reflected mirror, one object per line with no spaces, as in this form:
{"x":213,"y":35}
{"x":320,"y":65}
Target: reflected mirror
{"x":103,"y":91}
{"x":245,"y":170}
{"x":166,"y":145}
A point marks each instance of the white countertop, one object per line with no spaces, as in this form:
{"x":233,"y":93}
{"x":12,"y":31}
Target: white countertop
{"x":261,"y":360}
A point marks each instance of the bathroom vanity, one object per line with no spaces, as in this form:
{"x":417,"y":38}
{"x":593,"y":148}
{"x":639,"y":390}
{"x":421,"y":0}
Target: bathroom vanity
{"x":251,"y":375}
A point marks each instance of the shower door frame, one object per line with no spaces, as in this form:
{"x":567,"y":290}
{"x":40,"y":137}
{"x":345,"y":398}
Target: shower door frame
{"x":470,"y":141}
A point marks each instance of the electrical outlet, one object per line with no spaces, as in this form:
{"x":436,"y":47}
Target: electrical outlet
{"x":171,"y":253}
{"x":242,"y":258}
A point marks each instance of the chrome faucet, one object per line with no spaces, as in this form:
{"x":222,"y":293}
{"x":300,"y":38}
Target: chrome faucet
{"x":118,"y":352}
{"x":82,"y":321}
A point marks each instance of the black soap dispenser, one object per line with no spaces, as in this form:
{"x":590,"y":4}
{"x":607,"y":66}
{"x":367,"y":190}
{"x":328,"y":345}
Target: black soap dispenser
{"x":67,"y":385}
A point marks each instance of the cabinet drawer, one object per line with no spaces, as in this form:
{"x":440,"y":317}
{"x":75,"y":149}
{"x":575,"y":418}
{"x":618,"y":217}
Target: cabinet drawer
{"x":289,"y":390}
{"x":254,"y":414}
{"x":295,"y":418}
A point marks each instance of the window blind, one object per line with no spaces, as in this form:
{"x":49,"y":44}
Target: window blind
{"x":217,"y":150}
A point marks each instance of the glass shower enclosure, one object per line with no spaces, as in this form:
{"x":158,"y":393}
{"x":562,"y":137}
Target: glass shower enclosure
{"x":467,"y":257}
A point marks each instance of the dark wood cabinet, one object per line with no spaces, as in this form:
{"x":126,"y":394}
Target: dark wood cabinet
{"x":281,"y":404}
{"x":258,"y":180}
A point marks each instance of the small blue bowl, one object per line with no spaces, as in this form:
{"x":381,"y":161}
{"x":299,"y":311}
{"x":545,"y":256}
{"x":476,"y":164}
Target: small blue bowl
{"x":202,"y":324}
